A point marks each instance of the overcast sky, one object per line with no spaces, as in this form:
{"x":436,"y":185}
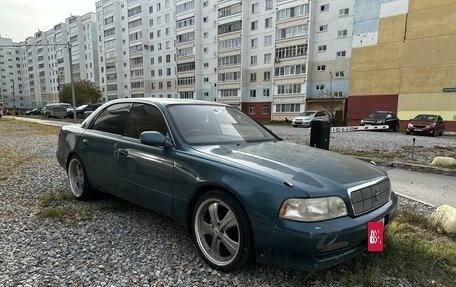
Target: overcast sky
{"x":20,"y":19}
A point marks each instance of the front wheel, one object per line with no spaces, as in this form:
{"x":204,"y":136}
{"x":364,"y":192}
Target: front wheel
{"x":222,"y":231}
{"x":79,"y":185}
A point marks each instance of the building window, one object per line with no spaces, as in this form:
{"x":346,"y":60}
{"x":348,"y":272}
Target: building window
{"x":255,"y":8}
{"x":321,"y":68}
{"x":268,"y":40}
{"x":323,"y":28}
{"x":344,"y":12}
{"x":341,"y":54}
{"x":289,"y":89}
{"x":253,"y":93}
{"x":319,"y":87}
{"x":254,"y":25}
{"x":253,"y":60}
{"x":324,"y":8}
{"x":266,"y":92}
{"x":268,"y":23}
{"x":205,"y":19}
{"x":338,"y":94}
{"x":206,"y":94}
{"x":291,"y":51}
{"x":265,"y":110}
{"x":339,"y":74}
{"x":253,"y":77}
{"x":252,"y":110}
{"x":267,"y":58}
{"x":254,"y":43}
{"x":290,"y":32}
{"x":269,"y":4}
{"x":322,"y":48}
{"x":288,"y":108}
{"x":293,"y":12}
{"x":342,"y":33}
{"x":266,"y":76}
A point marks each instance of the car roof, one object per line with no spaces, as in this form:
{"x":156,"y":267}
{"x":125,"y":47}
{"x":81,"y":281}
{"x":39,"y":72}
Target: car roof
{"x":165,"y":101}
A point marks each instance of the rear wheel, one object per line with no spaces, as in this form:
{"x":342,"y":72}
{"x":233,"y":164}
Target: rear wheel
{"x":79,"y":185}
{"x":222,"y":231}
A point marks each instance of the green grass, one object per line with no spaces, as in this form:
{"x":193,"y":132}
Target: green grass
{"x":10,"y":160}
{"x":415,"y":252}
{"x":61,"y":205}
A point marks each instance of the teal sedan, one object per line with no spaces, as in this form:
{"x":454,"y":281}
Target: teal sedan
{"x":243,"y":193}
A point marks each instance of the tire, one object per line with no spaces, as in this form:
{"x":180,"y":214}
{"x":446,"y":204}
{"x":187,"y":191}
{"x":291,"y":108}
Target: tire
{"x":434,"y":133}
{"x":294,"y":126}
{"x":77,"y":177}
{"x":222,"y":231}
{"x":407,"y":133}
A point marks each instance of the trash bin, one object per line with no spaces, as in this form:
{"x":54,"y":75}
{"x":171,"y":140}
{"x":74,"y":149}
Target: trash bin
{"x":319,"y":134}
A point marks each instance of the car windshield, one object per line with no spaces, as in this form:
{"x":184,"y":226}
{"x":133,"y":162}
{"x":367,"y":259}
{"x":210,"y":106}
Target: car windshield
{"x":211,"y":125}
{"x":378,"y":115}
{"x":426,"y":118}
{"x":307,"y":114}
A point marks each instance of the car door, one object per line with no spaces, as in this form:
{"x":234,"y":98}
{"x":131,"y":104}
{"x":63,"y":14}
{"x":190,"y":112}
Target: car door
{"x":98,"y":146}
{"x":146,"y":172}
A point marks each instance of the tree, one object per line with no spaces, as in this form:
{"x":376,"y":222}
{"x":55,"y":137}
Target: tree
{"x":333,"y":106}
{"x":85,"y":92}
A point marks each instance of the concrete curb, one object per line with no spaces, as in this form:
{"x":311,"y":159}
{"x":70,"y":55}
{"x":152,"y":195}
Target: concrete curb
{"x":412,"y":167}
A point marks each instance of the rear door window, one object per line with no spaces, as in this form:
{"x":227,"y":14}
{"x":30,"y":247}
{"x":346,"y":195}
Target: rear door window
{"x":113,"y":119}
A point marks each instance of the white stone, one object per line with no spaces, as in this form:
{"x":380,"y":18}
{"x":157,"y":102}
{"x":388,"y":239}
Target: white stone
{"x":445,"y":217}
{"x":443,"y":161}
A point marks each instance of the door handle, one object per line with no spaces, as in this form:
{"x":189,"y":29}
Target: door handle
{"x":85,"y":142}
{"x":122,"y":153}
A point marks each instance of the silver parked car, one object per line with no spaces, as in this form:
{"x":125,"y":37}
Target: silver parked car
{"x":306,"y":118}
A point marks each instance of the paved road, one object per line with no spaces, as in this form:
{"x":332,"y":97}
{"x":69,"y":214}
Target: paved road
{"x":432,"y":189}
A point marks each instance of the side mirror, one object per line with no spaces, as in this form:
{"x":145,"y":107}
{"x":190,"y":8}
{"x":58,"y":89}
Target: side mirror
{"x":154,"y":138}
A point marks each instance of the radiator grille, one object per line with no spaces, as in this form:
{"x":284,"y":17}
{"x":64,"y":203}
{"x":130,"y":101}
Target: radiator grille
{"x":371,"y":197}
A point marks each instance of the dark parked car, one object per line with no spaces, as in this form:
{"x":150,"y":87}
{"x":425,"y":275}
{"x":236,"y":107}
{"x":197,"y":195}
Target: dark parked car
{"x":242,"y":192}
{"x":426,"y":124}
{"x":35,"y":111}
{"x":382,"y":118}
{"x":85,"y":108}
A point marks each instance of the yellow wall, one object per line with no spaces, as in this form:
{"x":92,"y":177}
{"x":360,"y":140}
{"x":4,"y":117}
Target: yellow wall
{"x":391,"y":29}
{"x":444,"y":104}
{"x":417,"y":68}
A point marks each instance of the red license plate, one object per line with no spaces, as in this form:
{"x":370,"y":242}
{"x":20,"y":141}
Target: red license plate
{"x":375,"y":236}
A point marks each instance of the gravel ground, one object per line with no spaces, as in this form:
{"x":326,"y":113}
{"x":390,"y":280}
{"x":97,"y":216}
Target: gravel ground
{"x":108,"y":242}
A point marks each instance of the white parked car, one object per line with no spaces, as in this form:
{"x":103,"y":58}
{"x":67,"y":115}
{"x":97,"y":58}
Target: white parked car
{"x":306,"y":118}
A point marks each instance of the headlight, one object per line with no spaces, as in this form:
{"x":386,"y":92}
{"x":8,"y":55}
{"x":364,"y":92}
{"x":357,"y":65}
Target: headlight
{"x":362,"y":121}
{"x":379,"y":122}
{"x":313,"y":209}
{"x":410,"y":126}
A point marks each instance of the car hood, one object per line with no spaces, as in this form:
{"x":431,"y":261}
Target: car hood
{"x":314,"y":170}
{"x":421,"y":123}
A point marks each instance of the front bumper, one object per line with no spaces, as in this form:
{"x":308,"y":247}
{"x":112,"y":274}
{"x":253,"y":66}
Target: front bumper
{"x":301,"y":124}
{"x":319,"y":245}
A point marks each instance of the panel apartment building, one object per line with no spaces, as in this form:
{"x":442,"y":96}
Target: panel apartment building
{"x":12,"y":75}
{"x":40,"y":64}
{"x":250,"y":54}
